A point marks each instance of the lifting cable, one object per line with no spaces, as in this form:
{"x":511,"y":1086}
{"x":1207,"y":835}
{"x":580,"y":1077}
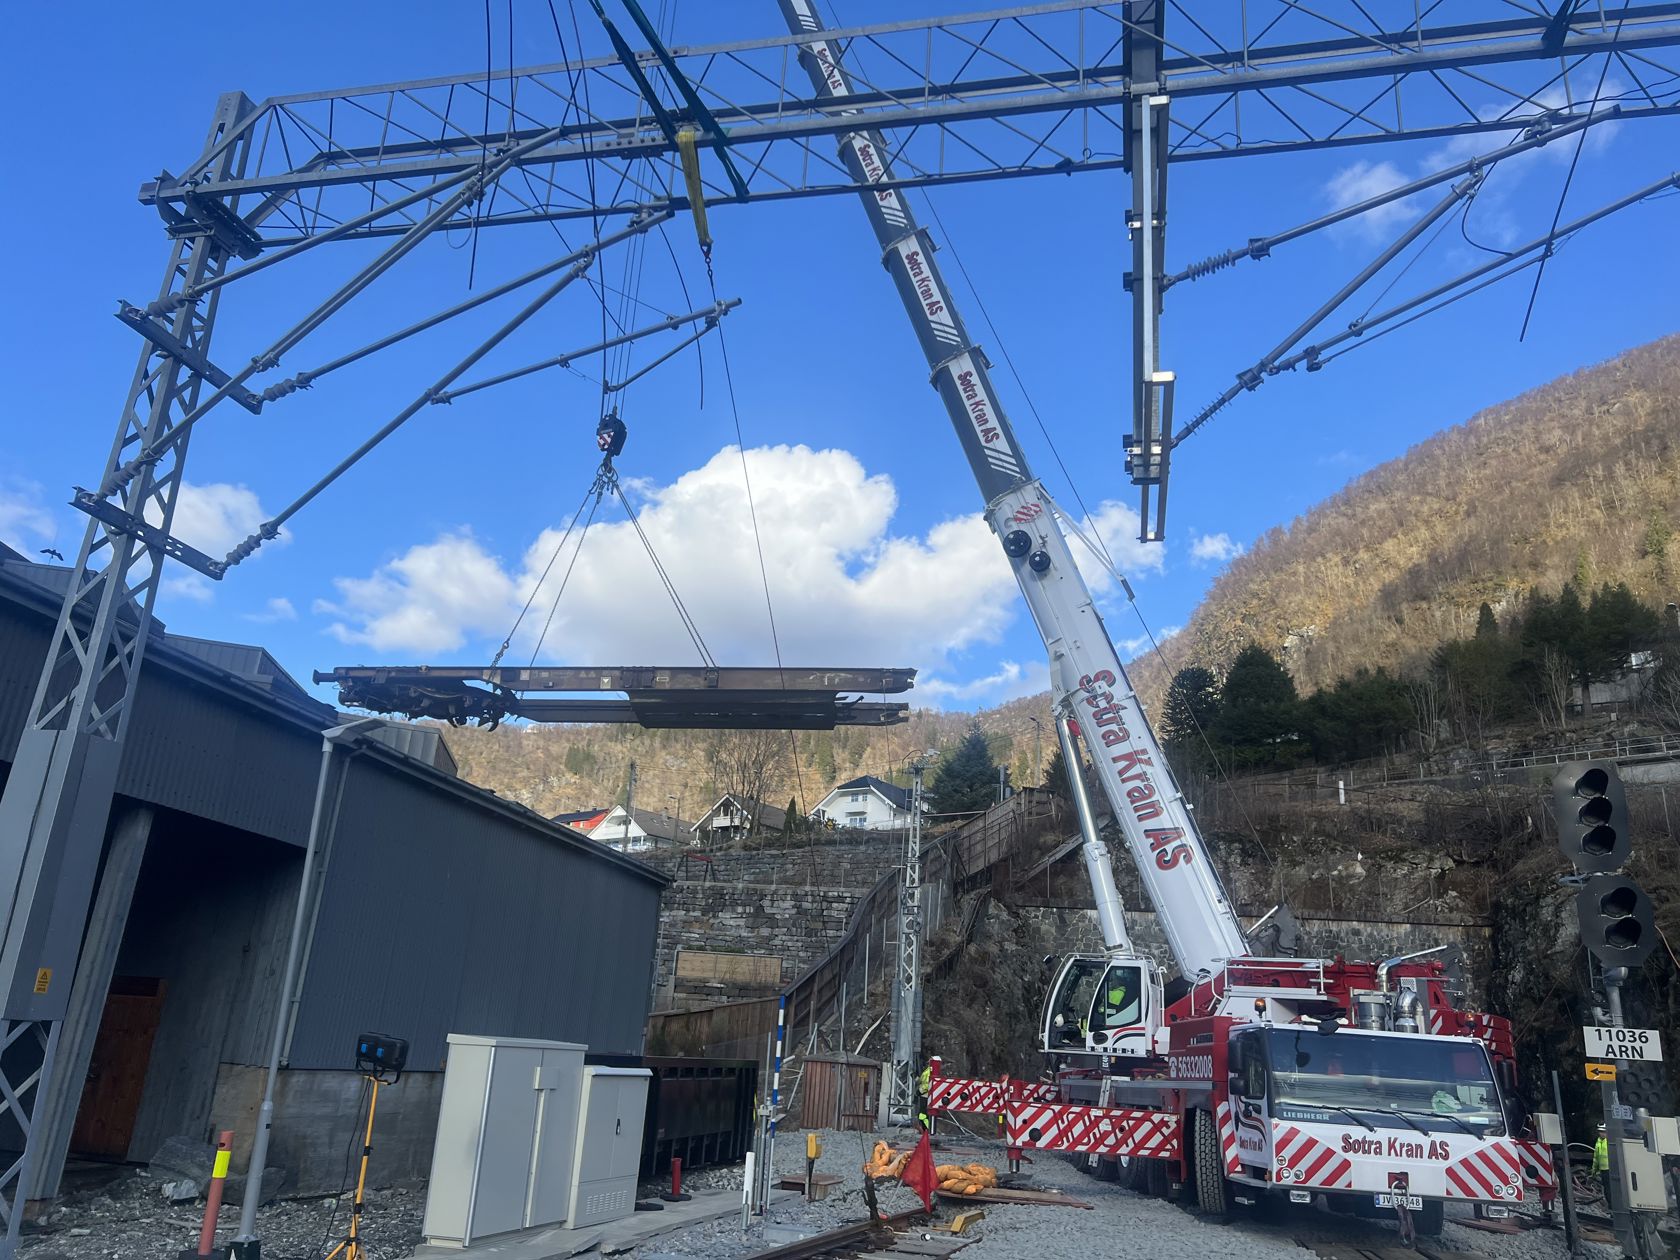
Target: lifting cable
{"x":610,"y":436}
{"x":1155,"y":646}
{"x":746,"y":477}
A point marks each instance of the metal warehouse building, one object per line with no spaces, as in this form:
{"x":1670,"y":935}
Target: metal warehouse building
{"x":439,"y":907}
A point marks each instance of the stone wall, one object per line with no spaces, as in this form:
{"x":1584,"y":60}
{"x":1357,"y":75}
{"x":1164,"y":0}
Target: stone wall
{"x":856,"y":865}
{"x":794,"y":925}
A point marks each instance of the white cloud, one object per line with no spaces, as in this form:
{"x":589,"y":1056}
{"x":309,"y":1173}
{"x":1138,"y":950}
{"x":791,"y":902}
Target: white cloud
{"x":429,"y":599}
{"x":1011,"y":680}
{"x":1493,"y":222}
{"x":25,"y":521}
{"x":277,"y":609}
{"x":1116,"y":526}
{"x":1214,"y":548}
{"x":217,"y":516}
{"x":185,"y":584}
{"x":847,"y":590}
{"x":1135,"y":646}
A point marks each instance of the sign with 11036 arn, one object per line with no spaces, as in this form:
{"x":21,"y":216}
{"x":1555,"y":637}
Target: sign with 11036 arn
{"x":1634,"y":1045}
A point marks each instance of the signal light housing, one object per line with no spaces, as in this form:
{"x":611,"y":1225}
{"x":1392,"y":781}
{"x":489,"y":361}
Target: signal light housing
{"x":1617,"y":926}
{"x":1590,"y":808}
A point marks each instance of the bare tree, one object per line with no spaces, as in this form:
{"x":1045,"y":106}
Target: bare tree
{"x":1557,"y":682}
{"x":750,"y":765}
{"x":1662,"y":697}
{"x":1428,"y":708}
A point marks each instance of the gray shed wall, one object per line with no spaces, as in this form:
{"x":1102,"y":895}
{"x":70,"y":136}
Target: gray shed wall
{"x":192,"y":743}
{"x":440,"y":916}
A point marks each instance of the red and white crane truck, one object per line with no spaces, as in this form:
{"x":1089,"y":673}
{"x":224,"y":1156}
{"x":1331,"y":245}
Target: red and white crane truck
{"x":1245,"y":1078}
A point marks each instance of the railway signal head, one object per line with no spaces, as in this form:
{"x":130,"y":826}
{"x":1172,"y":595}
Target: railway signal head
{"x":1616,"y":923}
{"x":1590,"y":808}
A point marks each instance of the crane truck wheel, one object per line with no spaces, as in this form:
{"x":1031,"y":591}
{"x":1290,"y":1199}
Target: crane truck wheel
{"x":1212,"y":1195}
{"x":1107,"y":1169}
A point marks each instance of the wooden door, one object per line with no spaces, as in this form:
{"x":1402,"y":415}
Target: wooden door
{"x":117,"y":1073}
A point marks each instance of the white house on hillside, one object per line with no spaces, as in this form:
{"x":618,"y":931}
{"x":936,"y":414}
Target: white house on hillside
{"x":866,"y":802}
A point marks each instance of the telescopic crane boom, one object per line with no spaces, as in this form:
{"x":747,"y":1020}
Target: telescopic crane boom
{"x":1088,"y":685}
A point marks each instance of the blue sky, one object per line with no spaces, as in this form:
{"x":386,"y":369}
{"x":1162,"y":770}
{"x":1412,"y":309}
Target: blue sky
{"x":428,"y":549}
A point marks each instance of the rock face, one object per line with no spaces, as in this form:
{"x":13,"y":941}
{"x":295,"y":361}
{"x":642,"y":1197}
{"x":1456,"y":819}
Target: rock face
{"x":182,"y":1167}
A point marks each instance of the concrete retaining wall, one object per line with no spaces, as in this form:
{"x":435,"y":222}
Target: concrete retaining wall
{"x":319,"y":1115}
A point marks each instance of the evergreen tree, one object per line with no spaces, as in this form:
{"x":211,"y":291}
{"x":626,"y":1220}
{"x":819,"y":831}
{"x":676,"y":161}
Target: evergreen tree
{"x":1192,"y":706}
{"x":1259,"y":713}
{"x":967,"y":779}
{"x":1361,"y":716}
{"x":1616,"y":626}
{"x":1486,"y":626}
{"x":1055,"y":773}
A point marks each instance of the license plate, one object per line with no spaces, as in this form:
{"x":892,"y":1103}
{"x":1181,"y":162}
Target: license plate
{"x":1412,"y":1201}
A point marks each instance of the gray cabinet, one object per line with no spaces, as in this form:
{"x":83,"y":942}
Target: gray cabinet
{"x":609,"y":1144}
{"x":506,"y":1137}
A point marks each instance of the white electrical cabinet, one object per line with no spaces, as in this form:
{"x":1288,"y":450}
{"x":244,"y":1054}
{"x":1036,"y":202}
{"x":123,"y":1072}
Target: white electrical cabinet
{"x":506,"y":1137}
{"x":609,"y":1145}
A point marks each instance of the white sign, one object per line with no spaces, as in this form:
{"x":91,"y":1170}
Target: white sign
{"x":1630,"y":1045}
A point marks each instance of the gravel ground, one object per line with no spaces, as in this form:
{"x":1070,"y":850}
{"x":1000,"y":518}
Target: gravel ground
{"x":1120,"y":1223}
{"x":128,"y":1218}
{"x":124,"y":1216}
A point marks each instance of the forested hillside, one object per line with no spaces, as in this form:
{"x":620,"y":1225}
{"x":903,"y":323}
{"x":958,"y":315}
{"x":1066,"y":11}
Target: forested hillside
{"x":1577,"y":482}
{"x":562,"y":768}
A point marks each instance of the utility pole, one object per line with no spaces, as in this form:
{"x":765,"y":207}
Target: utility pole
{"x":629,"y":807}
{"x":1038,"y":751}
{"x":907,"y":981}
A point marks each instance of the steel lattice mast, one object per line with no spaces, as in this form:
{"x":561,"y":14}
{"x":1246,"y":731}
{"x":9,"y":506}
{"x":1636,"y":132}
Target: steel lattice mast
{"x":1040,"y":89}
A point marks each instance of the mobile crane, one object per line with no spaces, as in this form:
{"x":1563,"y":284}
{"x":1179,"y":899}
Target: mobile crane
{"x":1248,"y":1078}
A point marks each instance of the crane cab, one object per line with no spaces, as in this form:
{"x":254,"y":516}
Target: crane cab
{"x":1102,"y":1005}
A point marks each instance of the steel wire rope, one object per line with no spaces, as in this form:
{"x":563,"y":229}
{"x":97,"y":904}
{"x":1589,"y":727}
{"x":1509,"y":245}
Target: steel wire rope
{"x":483,"y":145}
{"x":687,"y":618}
{"x":1098,"y":548}
{"x":1568,"y":179}
{"x":1003,"y":349}
{"x":752,"y":512}
{"x":1009,"y":361}
{"x":596,"y":490}
{"x":531,"y":598}
{"x":1160,"y":656}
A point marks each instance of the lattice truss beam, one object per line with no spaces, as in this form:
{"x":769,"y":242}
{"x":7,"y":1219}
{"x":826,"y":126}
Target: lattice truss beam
{"x":1032,"y":90}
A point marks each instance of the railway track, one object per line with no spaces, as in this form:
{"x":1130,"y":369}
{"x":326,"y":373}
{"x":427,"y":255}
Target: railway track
{"x":892,"y":1238}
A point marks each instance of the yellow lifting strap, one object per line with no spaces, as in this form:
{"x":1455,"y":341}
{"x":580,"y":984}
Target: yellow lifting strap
{"x":690,"y":155}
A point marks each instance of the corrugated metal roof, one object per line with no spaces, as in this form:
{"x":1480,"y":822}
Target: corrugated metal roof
{"x":421,"y":740}
{"x":254,"y":664}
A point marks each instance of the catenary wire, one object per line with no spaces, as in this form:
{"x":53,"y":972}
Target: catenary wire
{"x":1568,"y":179}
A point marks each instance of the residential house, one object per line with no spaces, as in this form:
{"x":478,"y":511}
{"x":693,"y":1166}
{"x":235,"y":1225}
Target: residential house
{"x":736,"y":817}
{"x":636,"y":831}
{"x":867,"y":802}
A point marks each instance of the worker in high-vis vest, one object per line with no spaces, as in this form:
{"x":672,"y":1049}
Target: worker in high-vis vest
{"x":1601,"y":1163}
{"x":924,"y":1083}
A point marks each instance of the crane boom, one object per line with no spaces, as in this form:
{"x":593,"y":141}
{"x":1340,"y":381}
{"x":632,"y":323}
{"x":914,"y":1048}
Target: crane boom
{"x":1088,"y":684}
